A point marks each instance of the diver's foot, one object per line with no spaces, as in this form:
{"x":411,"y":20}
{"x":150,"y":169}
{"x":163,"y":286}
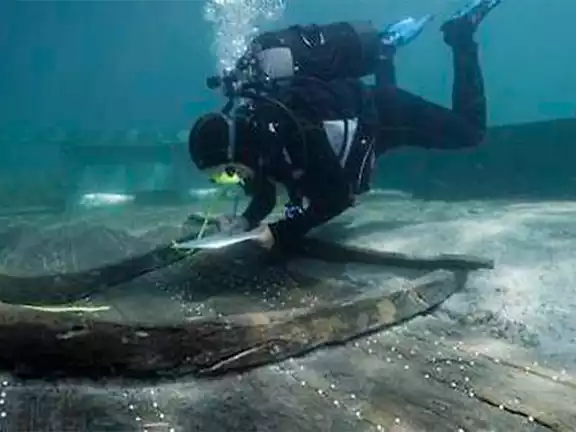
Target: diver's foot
{"x":403,"y":32}
{"x":460,"y":28}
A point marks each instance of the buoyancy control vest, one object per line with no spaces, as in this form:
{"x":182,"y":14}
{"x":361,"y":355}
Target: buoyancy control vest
{"x":313,"y":55}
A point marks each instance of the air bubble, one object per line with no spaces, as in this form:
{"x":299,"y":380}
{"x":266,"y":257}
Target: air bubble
{"x":236,"y":22}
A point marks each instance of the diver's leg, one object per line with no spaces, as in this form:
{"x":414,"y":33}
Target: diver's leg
{"x":409,"y":120}
{"x":468,"y":97}
{"x":405,"y":119}
{"x":385,"y":73}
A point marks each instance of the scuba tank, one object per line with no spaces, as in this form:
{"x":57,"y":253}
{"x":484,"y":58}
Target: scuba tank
{"x":298,"y":53}
{"x":318,"y":53}
{"x":325,"y":52}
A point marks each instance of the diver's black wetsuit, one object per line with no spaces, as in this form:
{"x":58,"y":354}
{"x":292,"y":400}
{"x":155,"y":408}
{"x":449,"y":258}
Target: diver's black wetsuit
{"x":389,"y":118}
{"x":405,"y":119}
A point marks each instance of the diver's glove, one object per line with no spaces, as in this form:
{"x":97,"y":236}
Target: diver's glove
{"x":232,"y":224}
{"x":292,"y":210}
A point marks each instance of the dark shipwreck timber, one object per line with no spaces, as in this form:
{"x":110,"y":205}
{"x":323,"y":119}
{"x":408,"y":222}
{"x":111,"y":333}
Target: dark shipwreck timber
{"x":319,"y":249}
{"x":67,"y":342}
{"x":61,"y":288}
{"x":67,"y":287}
{"x":48,"y":343}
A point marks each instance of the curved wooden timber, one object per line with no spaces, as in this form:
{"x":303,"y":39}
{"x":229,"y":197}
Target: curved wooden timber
{"x":333,"y":252}
{"x":69,"y":287}
{"x":76,"y":344}
{"x":428,"y":375}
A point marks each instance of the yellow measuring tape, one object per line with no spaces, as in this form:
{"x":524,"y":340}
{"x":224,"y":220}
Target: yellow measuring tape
{"x":228,"y":181}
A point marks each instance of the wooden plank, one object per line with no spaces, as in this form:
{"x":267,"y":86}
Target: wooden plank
{"x":328,"y":251}
{"x":426,"y":375}
{"x":70,"y":343}
{"x":66,"y":287}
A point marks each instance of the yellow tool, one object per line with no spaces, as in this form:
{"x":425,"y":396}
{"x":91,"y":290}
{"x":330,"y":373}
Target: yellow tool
{"x":226,"y":179}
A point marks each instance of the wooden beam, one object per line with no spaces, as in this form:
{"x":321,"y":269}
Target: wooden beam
{"x":68,"y":343}
{"x":69,"y":287}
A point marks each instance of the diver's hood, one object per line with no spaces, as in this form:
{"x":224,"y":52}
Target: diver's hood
{"x":217,"y":139}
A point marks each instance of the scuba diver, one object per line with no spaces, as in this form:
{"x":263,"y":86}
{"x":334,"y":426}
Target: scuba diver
{"x":300,"y":114}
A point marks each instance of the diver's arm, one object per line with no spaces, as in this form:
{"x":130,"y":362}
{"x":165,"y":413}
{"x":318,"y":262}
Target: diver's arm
{"x":263,"y":193}
{"x":322,"y":208}
{"x":288,"y":231}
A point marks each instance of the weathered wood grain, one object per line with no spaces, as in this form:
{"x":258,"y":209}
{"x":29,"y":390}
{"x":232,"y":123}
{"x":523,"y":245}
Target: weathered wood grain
{"x":74,"y":343}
